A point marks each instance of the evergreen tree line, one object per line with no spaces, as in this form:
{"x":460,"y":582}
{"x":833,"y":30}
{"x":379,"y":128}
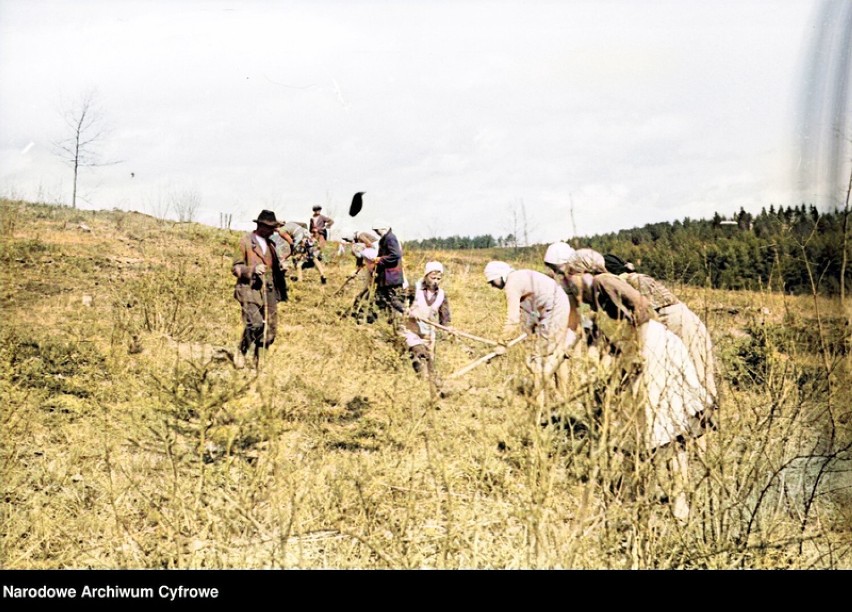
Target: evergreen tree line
{"x":781,"y":248}
{"x":771,"y":249}
{"x":486,"y":241}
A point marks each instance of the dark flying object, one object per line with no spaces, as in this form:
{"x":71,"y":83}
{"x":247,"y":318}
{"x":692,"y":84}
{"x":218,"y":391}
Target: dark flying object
{"x":355,"y":207}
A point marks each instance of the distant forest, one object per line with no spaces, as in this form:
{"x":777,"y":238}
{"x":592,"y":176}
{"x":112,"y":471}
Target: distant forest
{"x":745,"y":252}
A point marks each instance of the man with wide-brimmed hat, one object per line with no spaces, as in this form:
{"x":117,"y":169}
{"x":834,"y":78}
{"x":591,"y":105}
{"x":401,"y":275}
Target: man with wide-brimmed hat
{"x":261,"y":284}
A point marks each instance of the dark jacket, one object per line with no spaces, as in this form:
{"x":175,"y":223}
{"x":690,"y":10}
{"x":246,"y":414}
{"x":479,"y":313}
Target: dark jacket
{"x":247,"y":256}
{"x":389,"y":270}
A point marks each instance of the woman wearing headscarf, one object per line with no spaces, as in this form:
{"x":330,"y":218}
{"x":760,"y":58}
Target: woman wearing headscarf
{"x":428,"y":303}
{"x":677,"y":317}
{"x":556,"y":256}
{"x":671,"y":398}
{"x":389,"y":273}
{"x":536,"y":305}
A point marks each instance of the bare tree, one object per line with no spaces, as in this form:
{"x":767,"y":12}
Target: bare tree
{"x":571,"y":213}
{"x":186,"y":204}
{"x":526,"y":223}
{"x":521,"y":225}
{"x":158,"y":205}
{"x":85,"y":122}
{"x":514,"y":233}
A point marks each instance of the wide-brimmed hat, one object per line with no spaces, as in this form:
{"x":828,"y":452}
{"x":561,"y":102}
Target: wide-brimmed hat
{"x":267,"y":217}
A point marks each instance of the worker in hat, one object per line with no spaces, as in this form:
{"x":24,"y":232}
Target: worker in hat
{"x":260,"y":285}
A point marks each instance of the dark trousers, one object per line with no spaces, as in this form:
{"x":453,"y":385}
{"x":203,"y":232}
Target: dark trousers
{"x":390,"y":299}
{"x":253,"y":318}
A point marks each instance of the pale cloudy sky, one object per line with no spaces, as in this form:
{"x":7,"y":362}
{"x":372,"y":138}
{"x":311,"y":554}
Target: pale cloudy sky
{"x":450,"y":115}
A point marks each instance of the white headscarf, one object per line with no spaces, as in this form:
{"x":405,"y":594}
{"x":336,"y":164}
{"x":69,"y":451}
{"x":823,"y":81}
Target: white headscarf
{"x":497,"y":269}
{"x":381,"y":226}
{"x":433,"y":266}
{"x":558,"y":253}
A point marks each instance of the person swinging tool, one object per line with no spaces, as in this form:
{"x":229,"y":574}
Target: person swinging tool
{"x":428,"y":303}
{"x":537,"y":305}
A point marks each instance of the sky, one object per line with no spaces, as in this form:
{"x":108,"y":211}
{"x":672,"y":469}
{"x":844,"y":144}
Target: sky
{"x":550,"y":119}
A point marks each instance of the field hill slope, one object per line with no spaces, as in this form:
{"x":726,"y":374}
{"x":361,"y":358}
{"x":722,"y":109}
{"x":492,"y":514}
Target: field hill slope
{"x":130,"y":440}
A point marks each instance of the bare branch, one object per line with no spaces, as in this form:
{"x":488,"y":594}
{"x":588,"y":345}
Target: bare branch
{"x":79,"y":150}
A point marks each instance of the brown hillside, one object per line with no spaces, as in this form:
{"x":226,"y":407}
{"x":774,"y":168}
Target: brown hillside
{"x":131,"y":441}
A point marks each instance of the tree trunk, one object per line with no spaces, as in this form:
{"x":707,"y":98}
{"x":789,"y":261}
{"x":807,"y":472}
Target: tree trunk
{"x":74,"y":193}
{"x":77,"y":157}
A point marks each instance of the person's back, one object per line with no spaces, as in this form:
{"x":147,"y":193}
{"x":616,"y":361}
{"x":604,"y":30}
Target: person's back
{"x":536,"y":293}
{"x":296,"y":231}
{"x":367,"y":238}
{"x":536,"y":305}
{"x":389,"y":271}
{"x":619,"y":300}
{"x":678,"y":318}
{"x":652,"y":289}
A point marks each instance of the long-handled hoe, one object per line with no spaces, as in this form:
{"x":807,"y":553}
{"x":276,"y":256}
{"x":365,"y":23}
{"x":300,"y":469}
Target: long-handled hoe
{"x":480,"y":360}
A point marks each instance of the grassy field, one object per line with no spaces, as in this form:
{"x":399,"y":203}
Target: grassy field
{"x":131,"y":441}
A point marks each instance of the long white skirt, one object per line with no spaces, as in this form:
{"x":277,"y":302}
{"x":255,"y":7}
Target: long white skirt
{"x":689,"y":328}
{"x":675,"y":396}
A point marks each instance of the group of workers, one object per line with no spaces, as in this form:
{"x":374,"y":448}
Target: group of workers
{"x":664,"y":350}
{"x":631,"y":311}
{"x":413,"y":310}
{"x":631,"y":316}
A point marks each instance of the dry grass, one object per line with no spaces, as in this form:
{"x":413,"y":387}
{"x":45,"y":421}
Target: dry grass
{"x":334,"y":455}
